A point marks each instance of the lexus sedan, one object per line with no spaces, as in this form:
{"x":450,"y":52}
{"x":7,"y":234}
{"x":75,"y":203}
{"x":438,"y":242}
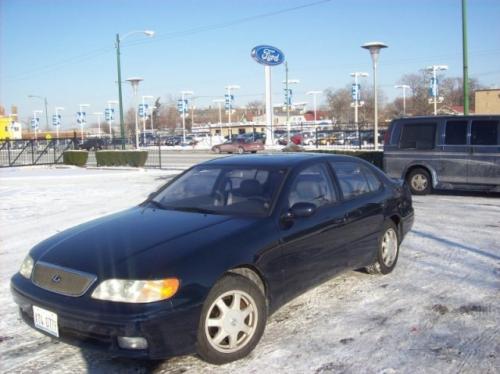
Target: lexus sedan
{"x":201,"y":264}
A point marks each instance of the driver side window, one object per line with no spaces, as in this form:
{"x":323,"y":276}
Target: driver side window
{"x":312,"y":185}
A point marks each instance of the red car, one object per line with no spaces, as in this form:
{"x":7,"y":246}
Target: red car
{"x":239,"y":146}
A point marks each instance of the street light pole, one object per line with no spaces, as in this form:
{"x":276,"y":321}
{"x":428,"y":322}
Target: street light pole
{"x":288,"y":97}
{"x":98,"y":114}
{"x":374,"y":48}
{"x":183,"y":98}
{"x":83,"y":117}
{"x":44,"y":98}
{"x":220,"y":101}
{"x":314,"y":94}
{"x":228,"y":90}
{"x":465,"y":78}
{"x":135,"y":84}
{"x":56,"y":110}
{"x":110,"y":117}
{"x":356,"y":99}
{"x":120,"y":98}
{"x":434,"y":87}
{"x":404,"y":87}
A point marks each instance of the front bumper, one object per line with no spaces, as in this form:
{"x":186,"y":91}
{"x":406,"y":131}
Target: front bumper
{"x":169,"y":331}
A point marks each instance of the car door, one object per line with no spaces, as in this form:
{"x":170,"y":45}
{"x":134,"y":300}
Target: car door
{"x":455,"y":153}
{"x":484,"y":161}
{"x":363,"y":204}
{"x":311,"y":246}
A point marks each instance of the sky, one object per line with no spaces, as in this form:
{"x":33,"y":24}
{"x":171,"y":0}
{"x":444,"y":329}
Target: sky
{"x":64,"y":49}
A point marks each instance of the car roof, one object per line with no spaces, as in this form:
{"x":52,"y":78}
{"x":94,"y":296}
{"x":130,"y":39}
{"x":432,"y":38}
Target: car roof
{"x":286,"y":159}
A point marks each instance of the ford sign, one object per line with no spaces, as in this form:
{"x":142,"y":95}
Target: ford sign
{"x":267,"y":55}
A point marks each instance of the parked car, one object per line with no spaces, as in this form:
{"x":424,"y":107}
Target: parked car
{"x":93,"y":144}
{"x":239,"y":145}
{"x":445,"y":152}
{"x":203,"y":261}
{"x":173,"y":140}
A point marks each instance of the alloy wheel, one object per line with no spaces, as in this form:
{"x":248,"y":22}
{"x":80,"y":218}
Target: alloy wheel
{"x":231,"y":321}
{"x":389,"y":247}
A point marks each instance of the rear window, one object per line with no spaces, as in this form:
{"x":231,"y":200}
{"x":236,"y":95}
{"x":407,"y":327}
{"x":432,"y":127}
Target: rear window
{"x":484,"y":132}
{"x":456,"y":133}
{"x":352,"y":180}
{"x":418,"y":136}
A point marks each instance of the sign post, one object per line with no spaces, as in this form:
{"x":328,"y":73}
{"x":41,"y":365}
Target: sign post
{"x":268,"y":56}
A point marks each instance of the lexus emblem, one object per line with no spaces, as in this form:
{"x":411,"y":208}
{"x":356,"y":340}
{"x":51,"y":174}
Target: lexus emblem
{"x":56,"y":278}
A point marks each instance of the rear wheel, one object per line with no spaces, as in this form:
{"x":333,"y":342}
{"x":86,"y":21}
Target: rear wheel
{"x":232,"y":320}
{"x":388,"y":251}
{"x":419,"y":181}
{"x":241,"y":150}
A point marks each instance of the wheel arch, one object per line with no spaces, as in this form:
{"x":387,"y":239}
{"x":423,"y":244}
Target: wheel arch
{"x":252,"y":273}
{"x":426,"y":167}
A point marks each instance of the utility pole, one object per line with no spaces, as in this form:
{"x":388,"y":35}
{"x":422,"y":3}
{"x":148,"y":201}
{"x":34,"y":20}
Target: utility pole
{"x":465,"y":52}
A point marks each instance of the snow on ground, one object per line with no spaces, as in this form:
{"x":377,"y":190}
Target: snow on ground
{"x":438,"y":312}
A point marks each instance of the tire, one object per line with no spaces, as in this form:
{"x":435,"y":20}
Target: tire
{"x":420,"y":182}
{"x":254,"y":151}
{"x":217,"y":150}
{"x":233,"y":343}
{"x":241,"y":150}
{"x":387,"y":252}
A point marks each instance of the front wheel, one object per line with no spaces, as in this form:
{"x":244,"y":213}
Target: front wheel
{"x":217,"y":150}
{"x":419,"y":181}
{"x":232,"y":320}
{"x":388,"y":251}
{"x":241,"y":150}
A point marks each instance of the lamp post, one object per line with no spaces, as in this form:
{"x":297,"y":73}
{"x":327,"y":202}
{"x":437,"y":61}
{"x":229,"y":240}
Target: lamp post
{"x":46,"y":111}
{"x":288,"y":97}
{"x":111,"y":116}
{"x":434,"y":83}
{"x":184,"y":94}
{"x":144,"y":116}
{"x":314,"y":94}
{"x":220,"y":101}
{"x":120,"y":98}
{"x":230,"y":108}
{"x":56,"y":110}
{"x":374,"y":48}
{"x":36,"y":120}
{"x":135,"y":85}
{"x":82,"y":117}
{"x":404,"y":87}
{"x":98,"y":114}
{"x":356,"y":95}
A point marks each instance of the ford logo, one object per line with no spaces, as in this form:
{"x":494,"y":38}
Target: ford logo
{"x":267,"y":55}
{"x":56,"y":278}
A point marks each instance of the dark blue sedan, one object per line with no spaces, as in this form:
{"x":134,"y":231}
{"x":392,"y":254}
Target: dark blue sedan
{"x":201,"y":264}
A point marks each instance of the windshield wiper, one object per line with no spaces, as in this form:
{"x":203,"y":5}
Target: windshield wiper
{"x":193,"y":209}
{"x":157,"y":204}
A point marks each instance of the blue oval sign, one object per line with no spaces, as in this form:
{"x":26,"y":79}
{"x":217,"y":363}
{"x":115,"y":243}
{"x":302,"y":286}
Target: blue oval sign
{"x":267,"y":55}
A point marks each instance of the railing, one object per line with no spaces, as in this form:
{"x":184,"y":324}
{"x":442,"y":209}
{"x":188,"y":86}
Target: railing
{"x":49,"y":152}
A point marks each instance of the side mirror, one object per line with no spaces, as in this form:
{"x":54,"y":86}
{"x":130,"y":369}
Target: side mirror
{"x":302,"y":210}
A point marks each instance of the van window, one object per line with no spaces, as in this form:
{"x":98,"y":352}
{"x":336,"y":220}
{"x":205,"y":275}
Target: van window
{"x":418,"y":135}
{"x":484,"y":132}
{"x":456,"y":133}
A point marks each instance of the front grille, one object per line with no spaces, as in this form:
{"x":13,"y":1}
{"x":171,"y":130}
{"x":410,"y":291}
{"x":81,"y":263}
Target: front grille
{"x":61,"y":280}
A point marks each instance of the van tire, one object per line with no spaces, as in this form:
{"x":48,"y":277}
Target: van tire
{"x":420,"y":182}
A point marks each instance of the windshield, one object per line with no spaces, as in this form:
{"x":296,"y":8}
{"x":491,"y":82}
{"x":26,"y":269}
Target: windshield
{"x":223,"y":190}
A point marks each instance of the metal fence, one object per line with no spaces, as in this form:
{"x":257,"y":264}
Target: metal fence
{"x":49,"y":152}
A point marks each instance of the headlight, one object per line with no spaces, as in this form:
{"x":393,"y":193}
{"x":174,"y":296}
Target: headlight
{"x":136,"y":291}
{"x":27,"y":267}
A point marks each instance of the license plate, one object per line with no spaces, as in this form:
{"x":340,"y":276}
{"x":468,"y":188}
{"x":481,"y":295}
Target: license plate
{"x":45,"y":320}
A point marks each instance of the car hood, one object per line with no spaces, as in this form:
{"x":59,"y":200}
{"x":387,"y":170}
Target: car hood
{"x":108,"y":245}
